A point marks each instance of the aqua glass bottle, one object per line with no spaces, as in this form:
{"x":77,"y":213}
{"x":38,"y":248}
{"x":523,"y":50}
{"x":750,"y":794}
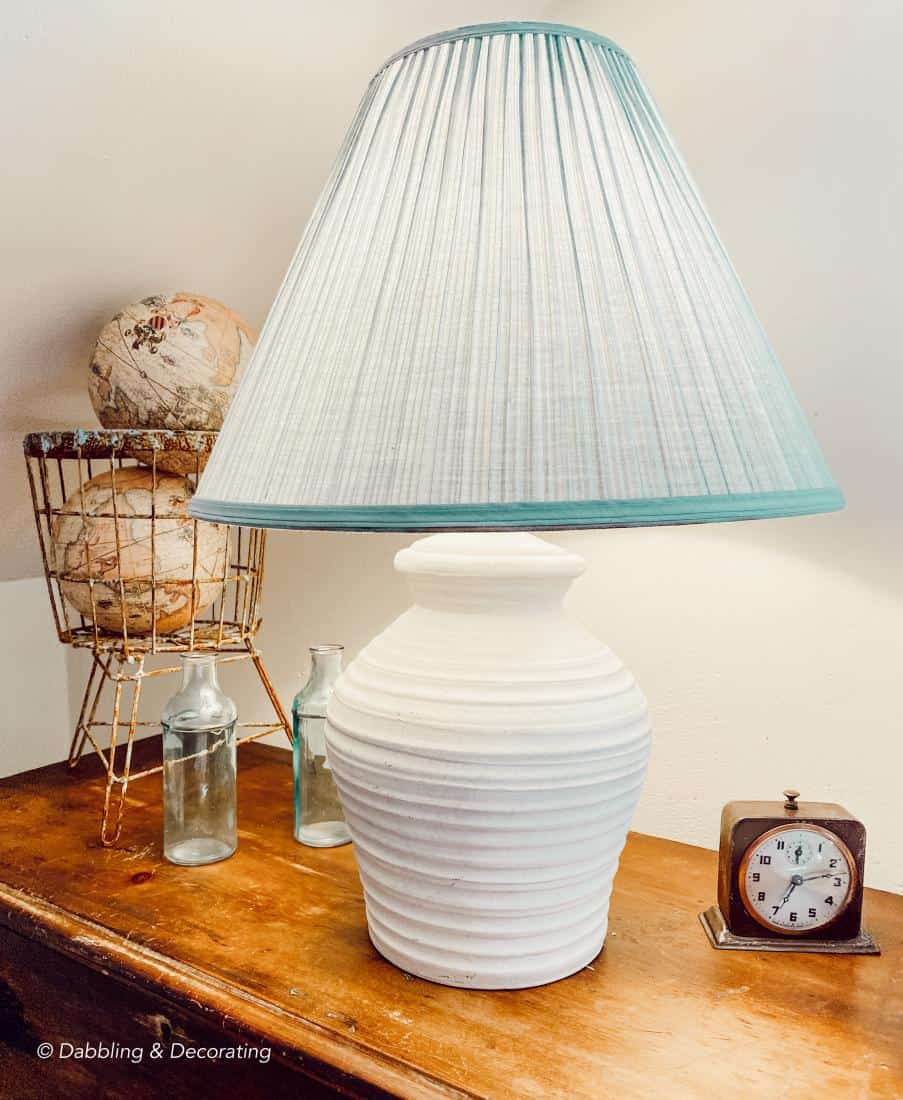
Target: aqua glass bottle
{"x":319,"y":821}
{"x":199,"y":773}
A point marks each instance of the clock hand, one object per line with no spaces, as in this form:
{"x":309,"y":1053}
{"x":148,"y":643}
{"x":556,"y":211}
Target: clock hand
{"x":827,"y":874}
{"x":786,"y":898}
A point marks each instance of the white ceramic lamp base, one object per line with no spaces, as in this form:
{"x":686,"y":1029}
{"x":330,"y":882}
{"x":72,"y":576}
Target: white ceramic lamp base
{"x":489,"y":754}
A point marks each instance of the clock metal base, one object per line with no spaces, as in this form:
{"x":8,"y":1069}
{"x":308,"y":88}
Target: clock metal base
{"x":721,"y":937}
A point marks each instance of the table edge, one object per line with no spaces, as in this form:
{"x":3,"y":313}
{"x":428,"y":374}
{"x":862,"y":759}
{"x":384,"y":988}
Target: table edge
{"x":328,"y":1057}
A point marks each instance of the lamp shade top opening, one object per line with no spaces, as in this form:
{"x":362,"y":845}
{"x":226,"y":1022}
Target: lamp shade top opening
{"x":510,"y":309}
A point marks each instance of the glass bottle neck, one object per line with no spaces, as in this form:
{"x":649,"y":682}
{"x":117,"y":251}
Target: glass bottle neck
{"x":199,"y":669}
{"x":325,"y":666}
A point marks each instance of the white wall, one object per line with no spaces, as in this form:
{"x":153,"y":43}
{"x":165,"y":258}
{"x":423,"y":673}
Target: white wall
{"x":33,"y":681}
{"x":150,"y":146}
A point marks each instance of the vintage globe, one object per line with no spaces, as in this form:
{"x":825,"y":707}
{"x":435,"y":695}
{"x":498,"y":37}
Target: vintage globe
{"x":84,"y":547}
{"x":169,"y":361}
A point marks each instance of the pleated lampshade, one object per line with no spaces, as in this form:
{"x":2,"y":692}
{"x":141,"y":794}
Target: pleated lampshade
{"x":510,"y":309}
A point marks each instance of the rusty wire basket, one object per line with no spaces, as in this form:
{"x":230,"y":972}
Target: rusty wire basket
{"x":130,"y":575}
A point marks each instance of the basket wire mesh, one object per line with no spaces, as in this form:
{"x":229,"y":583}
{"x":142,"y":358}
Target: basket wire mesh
{"x":60,"y":466}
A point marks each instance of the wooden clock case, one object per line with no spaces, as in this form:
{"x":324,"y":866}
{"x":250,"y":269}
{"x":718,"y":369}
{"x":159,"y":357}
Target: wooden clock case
{"x":729,"y":925}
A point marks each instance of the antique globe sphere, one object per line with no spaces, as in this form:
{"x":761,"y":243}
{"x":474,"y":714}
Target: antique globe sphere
{"x":153,"y":555}
{"x":169,"y":361}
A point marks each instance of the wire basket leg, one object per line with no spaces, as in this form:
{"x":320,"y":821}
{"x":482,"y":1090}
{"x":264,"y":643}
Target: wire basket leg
{"x":85,"y":716}
{"x":268,"y":688}
{"x":133,"y":722}
{"x":117,"y":785}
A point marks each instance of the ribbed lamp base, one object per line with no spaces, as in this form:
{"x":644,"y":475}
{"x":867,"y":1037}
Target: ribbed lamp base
{"x":489,"y":754}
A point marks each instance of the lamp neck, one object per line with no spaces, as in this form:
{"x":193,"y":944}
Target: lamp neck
{"x":511,"y":571}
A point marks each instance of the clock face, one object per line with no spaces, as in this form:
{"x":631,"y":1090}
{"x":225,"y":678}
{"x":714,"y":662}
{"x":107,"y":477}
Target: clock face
{"x":797,"y":878}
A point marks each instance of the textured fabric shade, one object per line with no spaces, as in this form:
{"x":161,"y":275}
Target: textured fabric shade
{"x":510,"y":309}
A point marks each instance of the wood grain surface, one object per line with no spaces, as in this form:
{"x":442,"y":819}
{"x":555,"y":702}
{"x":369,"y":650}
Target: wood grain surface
{"x":271,"y":947}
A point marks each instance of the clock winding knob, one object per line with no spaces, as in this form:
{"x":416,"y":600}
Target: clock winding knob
{"x":791,"y":796}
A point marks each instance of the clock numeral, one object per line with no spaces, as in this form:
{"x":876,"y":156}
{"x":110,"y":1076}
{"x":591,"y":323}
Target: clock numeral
{"x":820,"y":847}
{"x":775,"y":908}
{"x":780,"y":845}
{"x":756,"y":876}
{"x":829,"y":900}
{"x":765,"y":860}
{"x":793,"y":918}
{"x":760,"y":896}
{"x":838,"y":882}
{"x":832,"y":863}
{"x":813,"y":913}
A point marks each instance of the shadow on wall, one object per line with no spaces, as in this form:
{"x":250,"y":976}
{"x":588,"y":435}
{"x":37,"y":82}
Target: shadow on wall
{"x":716,"y":580}
{"x":765,"y":659}
{"x":719,"y":579}
{"x":341,"y":586}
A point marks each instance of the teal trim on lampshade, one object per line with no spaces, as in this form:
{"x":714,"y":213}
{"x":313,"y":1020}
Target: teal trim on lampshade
{"x":510,"y":309}
{"x":526,"y":515}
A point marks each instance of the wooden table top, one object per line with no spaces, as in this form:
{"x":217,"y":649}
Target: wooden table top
{"x":273,"y":942}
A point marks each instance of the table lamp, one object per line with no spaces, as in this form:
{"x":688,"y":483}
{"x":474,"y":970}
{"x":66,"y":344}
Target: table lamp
{"x":509,"y":313}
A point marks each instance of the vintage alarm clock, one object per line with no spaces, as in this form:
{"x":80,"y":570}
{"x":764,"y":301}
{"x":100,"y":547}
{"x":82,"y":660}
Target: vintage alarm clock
{"x":789,"y":879}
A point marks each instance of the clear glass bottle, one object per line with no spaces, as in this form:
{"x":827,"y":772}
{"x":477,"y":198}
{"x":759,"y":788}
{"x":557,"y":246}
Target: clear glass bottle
{"x":199,"y":796}
{"x":319,"y":821}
